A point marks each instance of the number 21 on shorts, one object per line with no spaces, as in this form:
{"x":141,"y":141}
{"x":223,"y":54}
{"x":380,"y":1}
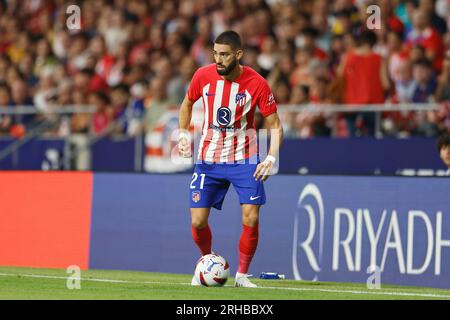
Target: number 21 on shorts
{"x":195,"y":177}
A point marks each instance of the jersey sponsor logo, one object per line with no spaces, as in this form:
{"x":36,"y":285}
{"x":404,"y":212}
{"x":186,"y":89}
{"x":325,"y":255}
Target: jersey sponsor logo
{"x":222,"y":129}
{"x":196,"y":196}
{"x":224,"y":116}
{"x":241,"y":99}
{"x":271,"y":99}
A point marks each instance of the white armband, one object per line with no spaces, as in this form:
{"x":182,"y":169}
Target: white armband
{"x":184,"y":134}
{"x":270,"y":158}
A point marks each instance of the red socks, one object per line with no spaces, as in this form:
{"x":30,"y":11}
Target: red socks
{"x":202,"y":237}
{"x":247,"y":244}
{"x":247,"y":247}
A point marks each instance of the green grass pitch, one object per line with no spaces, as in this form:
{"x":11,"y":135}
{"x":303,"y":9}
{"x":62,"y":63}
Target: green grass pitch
{"x":43,"y":284}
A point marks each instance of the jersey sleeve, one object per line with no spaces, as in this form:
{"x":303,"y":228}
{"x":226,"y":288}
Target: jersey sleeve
{"x":266,"y":101}
{"x":194,"y":92}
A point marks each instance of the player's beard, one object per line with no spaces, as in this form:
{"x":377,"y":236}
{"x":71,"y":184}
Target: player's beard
{"x":228,"y":69}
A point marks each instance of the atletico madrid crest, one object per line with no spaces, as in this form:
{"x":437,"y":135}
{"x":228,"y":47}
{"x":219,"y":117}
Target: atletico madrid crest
{"x":241,"y":99}
{"x":196,"y":196}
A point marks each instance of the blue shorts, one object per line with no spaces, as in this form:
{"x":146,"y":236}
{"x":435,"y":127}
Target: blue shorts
{"x":210,"y":183}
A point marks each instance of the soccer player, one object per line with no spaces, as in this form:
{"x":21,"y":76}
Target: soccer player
{"x":228,"y":152}
{"x":443,"y":146}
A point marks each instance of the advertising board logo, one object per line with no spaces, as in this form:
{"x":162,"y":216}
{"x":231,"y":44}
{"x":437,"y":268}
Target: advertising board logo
{"x":396,"y":238}
{"x":308,"y":234}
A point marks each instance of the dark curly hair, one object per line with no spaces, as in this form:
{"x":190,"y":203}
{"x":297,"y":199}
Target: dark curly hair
{"x":443,"y":141}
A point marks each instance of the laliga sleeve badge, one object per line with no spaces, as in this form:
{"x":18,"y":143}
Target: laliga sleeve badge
{"x":196,"y":196}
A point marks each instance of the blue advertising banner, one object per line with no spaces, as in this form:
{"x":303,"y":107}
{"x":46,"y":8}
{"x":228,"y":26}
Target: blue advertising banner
{"x":351,"y":156}
{"x":114,"y":155}
{"x":363,"y":156}
{"x":36,"y":154}
{"x":141,"y":222}
{"x":353,"y":228}
{"x":350,"y":229}
{"x":7,"y":163}
{"x":108,"y":154}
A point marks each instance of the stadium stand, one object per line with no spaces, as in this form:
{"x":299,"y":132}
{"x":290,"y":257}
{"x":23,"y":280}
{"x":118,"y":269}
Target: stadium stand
{"x":136,"y":58}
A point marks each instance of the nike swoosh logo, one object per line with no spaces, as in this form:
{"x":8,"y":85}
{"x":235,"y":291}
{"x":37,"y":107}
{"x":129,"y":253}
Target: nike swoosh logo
{"x":210,"y":94}
{"x":254,"y":198}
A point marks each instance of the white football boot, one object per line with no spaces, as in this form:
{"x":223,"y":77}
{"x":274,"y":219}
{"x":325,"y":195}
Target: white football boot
{"x":194,"y":282}
{"x":241,"y":280}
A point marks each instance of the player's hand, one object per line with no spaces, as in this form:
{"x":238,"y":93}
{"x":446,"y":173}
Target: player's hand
{"x":184,"y":148}
{"x":263,"y":170}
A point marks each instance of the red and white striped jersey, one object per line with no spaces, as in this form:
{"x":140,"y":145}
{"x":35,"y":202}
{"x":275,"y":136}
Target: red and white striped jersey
{"x":229,"y":107}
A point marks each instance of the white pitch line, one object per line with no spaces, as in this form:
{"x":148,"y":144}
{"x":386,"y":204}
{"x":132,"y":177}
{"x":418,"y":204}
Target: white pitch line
{"x":85,"y":279}
{"x":388,"y":293}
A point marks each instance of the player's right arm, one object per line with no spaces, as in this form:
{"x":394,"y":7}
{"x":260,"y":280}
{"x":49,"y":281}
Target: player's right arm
{"x":184,"y":121}
{"x":185,"y":114}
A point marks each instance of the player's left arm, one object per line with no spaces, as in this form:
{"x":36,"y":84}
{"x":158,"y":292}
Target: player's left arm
{"x":273,"y":124}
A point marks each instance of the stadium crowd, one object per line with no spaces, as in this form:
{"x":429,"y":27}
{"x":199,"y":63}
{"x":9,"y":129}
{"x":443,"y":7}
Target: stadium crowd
{"x":133,"y":60}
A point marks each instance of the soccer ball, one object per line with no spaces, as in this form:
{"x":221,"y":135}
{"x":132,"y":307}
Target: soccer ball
{"x":212,"y":270}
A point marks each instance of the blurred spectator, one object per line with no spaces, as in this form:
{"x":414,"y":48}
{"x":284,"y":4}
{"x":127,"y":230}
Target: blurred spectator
{"x":82,"y":79}
{"x":307,"y":39}
{"x":178,"y":85}
{"x":136,"y":109}
{"x":405,"y":86}
{"x":156,"y":103}
{"x":443,"y":90}
{"x":204,"y":37}
{"x":100,"y":119}
{"x":365,"y":78}
{"x":119,"y":103}
{"x":438,"y":23}
{"x":427,"y":124}
{"x":417,"y":53}
{"x":299,"y":95}
{"x":443,"y":117}
{"x":268,"y":57}
{"x":78,"y":53}
{"x":251,"y":59}
{"x":20,"y":94}
{"x":425,"y":81}
{"x":424,"y":34}
{"x":403,"y":11}
{"x":282,"y":70}
{"x":81,"y":123}
{"x":396,"y":55}
{"x":45,"y":92}
{"x":306,"y":63}
{"x":5,"y":100}
{"x":17,"y":50}
{"x":337,"y":50}
{"x":292,"y":124}
{"x":64,"y":93}
{"x":345,"y":18}
{"x":315,"y":123}
{"x":44,"y":56}
{"x":113,"y":28}
{"x":364,"y":72}
{"x":401,"y":123}
{"x":281,"y":92}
